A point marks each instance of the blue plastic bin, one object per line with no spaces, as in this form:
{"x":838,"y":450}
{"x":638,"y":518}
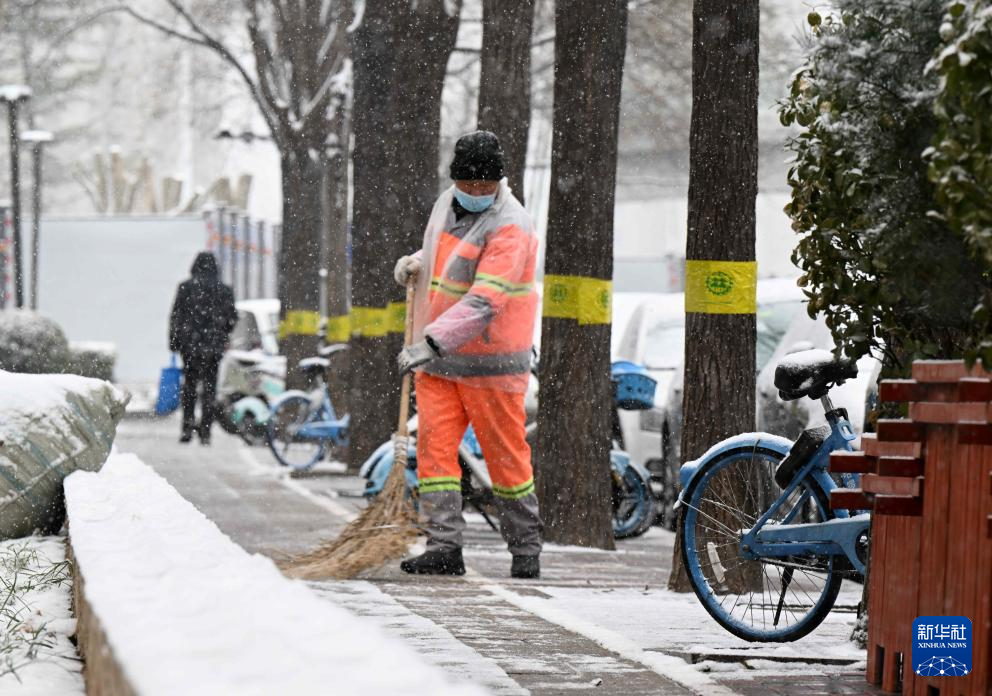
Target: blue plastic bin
{"x":633,"y":387}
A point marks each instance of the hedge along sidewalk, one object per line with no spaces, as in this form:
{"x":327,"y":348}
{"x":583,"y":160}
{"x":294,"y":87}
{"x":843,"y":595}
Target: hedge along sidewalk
{"x":167,"y":604}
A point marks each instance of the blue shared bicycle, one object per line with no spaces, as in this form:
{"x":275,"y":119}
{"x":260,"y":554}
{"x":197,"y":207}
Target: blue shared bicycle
{"x":303,"y":426}
{"x":763,"y":550}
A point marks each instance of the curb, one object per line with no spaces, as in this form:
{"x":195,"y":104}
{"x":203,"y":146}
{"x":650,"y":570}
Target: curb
{"x":101,"y":672}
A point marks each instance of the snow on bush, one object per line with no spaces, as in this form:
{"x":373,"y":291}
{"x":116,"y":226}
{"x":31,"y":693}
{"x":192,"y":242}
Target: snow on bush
{"x":32,"y":343}
{"x":961,"y":155}
{"x":884,"y":272}
{"x":187,"y":611}
{"x":37,"y":657}
{"x":91,"y":359}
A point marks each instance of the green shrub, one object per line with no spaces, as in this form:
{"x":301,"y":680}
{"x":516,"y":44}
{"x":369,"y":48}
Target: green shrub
{"x":31,"y":343}
{"x":960,"y":161}
{"x":92,"y":360}
{"x":882,"y":269}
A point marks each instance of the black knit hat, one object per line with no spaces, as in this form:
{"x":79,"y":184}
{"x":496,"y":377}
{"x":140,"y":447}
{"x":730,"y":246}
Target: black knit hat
{"x":478,"y":155}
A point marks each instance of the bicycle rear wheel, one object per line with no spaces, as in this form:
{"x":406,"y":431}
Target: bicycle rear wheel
{"x":289,"y":414}
{"x":768,"y":599}
{"x":633,"y":503}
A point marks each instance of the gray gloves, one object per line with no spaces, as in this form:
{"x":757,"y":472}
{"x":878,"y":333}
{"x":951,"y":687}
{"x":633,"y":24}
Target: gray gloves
{"x":407,"y":269}
{"x":416,"y":355}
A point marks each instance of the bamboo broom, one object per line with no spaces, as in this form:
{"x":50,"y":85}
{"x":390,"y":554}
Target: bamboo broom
{"x":383,"y":530}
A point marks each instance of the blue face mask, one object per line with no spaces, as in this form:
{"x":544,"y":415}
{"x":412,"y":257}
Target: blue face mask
{"x":474,"y":204}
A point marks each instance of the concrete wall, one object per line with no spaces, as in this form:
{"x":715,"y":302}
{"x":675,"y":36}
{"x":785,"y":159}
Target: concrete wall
{"x":114,"y":279}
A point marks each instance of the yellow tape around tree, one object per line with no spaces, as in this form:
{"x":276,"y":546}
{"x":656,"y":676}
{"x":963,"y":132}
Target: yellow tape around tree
{"x":721,"y":287}
{"x":368,"y":322}
{"x":586,"y":300}
{"x":299,"y":322}
{"x":338,"y":329}
{"x":376,"y":322}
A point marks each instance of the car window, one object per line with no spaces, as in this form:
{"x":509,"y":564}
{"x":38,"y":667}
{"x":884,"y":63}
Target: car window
{"x":246,"y":335}
{"x":664,"y":343}
{"x":774,"y":319}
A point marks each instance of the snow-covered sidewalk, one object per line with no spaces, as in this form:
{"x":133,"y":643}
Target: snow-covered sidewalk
{"x":595,"y":619}
{"x":656,"y":620}
{"x":37,"y":657}
{"x":184,"y":610}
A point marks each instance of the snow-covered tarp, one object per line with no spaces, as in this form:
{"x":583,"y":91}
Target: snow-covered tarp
{"x":50,"y":426}
{"x":37,"y":657}
{"x":187,"y":611}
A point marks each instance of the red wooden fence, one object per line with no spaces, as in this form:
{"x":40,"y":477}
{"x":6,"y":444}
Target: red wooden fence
{"x":928,"y":481}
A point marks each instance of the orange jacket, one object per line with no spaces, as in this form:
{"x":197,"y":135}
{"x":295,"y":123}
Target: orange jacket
{"x":475,"y":296}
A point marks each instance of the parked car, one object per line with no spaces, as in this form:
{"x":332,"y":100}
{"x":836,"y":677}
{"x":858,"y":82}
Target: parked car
{"x":257,"y":327}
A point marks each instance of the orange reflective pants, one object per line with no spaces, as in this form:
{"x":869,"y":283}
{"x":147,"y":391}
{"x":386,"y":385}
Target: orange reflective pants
{"x":445,"y":408}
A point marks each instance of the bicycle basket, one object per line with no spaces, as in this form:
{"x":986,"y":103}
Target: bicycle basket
{"x":633,"y":387}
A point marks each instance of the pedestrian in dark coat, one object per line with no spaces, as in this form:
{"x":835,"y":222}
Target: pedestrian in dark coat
{"x":203,"y":316}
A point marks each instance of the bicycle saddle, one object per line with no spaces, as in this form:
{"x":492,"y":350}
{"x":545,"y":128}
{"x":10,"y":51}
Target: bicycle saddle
{"x":811,"y":373}
{"x":314,"y":364}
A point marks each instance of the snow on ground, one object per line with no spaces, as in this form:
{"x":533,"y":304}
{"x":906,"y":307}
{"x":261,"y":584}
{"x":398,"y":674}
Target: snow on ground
{"x":673,"y":668}
{"x":676,"y":623}
{"x":433,"y":642}
{"x":263,"y":463}
{"x":37,"y":657}
{"x":171,"y":589}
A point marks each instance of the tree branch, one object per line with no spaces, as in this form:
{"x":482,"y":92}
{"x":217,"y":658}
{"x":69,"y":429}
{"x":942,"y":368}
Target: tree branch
{"x":167,"y":30}
{"x":82,"y":23}
{"x":268,"y":110}
{"x":265,"y":67}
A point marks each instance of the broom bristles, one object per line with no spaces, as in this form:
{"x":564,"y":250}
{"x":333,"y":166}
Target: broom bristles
{"x":382,"y":531}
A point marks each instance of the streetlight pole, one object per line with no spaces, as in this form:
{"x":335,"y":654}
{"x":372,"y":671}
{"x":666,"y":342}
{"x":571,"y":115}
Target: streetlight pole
{"x":12,"y":96}
{"x":37,"y":139}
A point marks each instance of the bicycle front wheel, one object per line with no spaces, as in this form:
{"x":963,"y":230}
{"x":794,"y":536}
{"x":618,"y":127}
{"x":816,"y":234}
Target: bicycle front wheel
{"x":767,"y":599}
{"x":282,"y":434}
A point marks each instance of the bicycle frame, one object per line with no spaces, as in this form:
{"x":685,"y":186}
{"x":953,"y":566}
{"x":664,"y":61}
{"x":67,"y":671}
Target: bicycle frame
{"x":326,"y":424}
{"x":836,"y":537}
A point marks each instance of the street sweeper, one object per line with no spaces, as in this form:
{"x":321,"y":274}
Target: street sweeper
{"x":474,"y":311}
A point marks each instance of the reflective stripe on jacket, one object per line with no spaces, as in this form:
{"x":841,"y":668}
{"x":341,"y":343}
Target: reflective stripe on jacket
{"x":475,"y":296}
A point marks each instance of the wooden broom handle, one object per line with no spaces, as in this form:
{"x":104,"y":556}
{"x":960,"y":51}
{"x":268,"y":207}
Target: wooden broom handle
{"x":401,"y":428}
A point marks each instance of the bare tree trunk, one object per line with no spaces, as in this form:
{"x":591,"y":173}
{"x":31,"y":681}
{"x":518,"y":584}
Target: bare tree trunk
{"x":338,"y":282}
{"x":504,"y":81}
{"x":299,"y":259}
{"x":575,"y":412}
{"x":336,"y":233}
{"x":400,"y":54}
{"x":718,"y":399}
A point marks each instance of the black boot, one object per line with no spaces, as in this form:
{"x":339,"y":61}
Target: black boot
{"x":435,"y":563}
{"x":528,"y":567}
{"x":187,"y":434}
{"x":204,"y":433}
